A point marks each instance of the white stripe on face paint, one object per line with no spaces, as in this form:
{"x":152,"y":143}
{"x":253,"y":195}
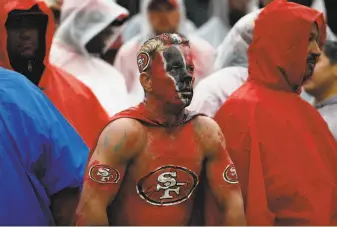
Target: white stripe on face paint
{"x":175,"y":66}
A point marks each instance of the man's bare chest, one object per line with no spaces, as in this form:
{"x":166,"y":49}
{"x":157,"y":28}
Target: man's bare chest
{"x":167,"y":170}
{"x":172,"y":146}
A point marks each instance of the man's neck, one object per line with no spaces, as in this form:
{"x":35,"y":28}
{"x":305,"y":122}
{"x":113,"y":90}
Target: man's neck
{"x":162,"y":113}
{"x":32,"y":69}
{"x":326,"y":95}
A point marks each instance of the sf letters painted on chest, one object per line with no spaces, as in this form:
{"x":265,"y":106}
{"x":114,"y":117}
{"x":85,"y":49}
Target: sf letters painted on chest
{"x":167,"y":185}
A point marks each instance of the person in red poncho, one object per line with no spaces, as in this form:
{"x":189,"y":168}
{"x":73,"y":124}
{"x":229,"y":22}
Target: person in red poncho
{"x":26,"y":34}
{"x":283,"y":150}
{"x":148,"y":162}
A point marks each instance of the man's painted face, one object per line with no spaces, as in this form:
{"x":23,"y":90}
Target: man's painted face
{"x":172,"y":75}
{"x":313,"y":51}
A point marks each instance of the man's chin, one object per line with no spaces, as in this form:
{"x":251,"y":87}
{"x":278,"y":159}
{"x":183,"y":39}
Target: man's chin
{"x":308,"y":86}
{"x":27,"y":54}
{"x":182,"y":103}
{"x":307,"y":77}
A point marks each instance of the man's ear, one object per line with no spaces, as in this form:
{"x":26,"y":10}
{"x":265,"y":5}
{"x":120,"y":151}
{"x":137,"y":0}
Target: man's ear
{"x":145,"y":81}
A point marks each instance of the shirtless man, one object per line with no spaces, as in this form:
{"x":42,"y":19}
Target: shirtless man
{"x":148,"y":160}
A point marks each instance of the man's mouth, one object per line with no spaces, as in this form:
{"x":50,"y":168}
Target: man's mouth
{"x":24,"y":44}
{"x":306,"y":78}
{"x":186,"y":93}
{"x":311,"y":66}
{"x":26,"y":49}
{"x":311,"y":61}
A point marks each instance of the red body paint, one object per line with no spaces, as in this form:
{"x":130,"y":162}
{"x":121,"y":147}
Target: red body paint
{"x":160,"y":183}
{"x":163,"y":181}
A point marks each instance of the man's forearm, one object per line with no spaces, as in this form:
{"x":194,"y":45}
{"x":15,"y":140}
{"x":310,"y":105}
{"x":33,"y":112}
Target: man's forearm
{"x":233,"y":217}
{"x":63,"y":206}
{"x":93,"y":217}
{"x":233,"y":212}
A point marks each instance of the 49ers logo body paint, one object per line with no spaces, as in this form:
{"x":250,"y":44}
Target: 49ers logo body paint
{"x":143,"y":61}
{"x":104,"y":174}
{"x":230,"y":175}
{"x":168,"y":185}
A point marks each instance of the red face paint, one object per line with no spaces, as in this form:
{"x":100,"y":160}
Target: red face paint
{"x":172,"y":75}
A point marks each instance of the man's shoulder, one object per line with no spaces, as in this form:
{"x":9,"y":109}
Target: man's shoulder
{"x":127,"y":131}
{"x":16,"y":88}
{"x":133,"y":127}
{"x":204,"y":124}
{"x":205,"y":120}
{"x":208,"y":133}
{"x":25,"y":103}
{"x":13,"y":78}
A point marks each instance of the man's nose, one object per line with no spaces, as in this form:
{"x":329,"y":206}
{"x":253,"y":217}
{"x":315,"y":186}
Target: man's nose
{"x":186,"y":79}
{"x":186,"y":76}
{"x":24,"y":34}
{"x":314,"y":49}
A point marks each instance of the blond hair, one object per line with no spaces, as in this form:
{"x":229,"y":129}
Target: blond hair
{"x":155,"y":44}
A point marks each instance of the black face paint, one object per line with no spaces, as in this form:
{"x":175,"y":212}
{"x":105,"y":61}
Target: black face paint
{"x":176,"y":67}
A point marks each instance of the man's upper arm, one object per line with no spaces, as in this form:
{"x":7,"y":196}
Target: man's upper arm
{"x":117,"y":146}
{"x":221,"y":172}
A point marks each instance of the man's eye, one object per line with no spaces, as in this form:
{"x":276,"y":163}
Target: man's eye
{"x":190,"y":69}
{"x":175,"y":68}
{"x":311,"y":38}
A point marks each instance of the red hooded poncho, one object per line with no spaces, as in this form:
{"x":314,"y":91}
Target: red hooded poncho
{"x":284,"y":153}
{"x":73,"y":99}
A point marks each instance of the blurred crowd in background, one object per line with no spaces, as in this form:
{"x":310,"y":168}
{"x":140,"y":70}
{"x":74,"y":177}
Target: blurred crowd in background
{"x":216,"y":39}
